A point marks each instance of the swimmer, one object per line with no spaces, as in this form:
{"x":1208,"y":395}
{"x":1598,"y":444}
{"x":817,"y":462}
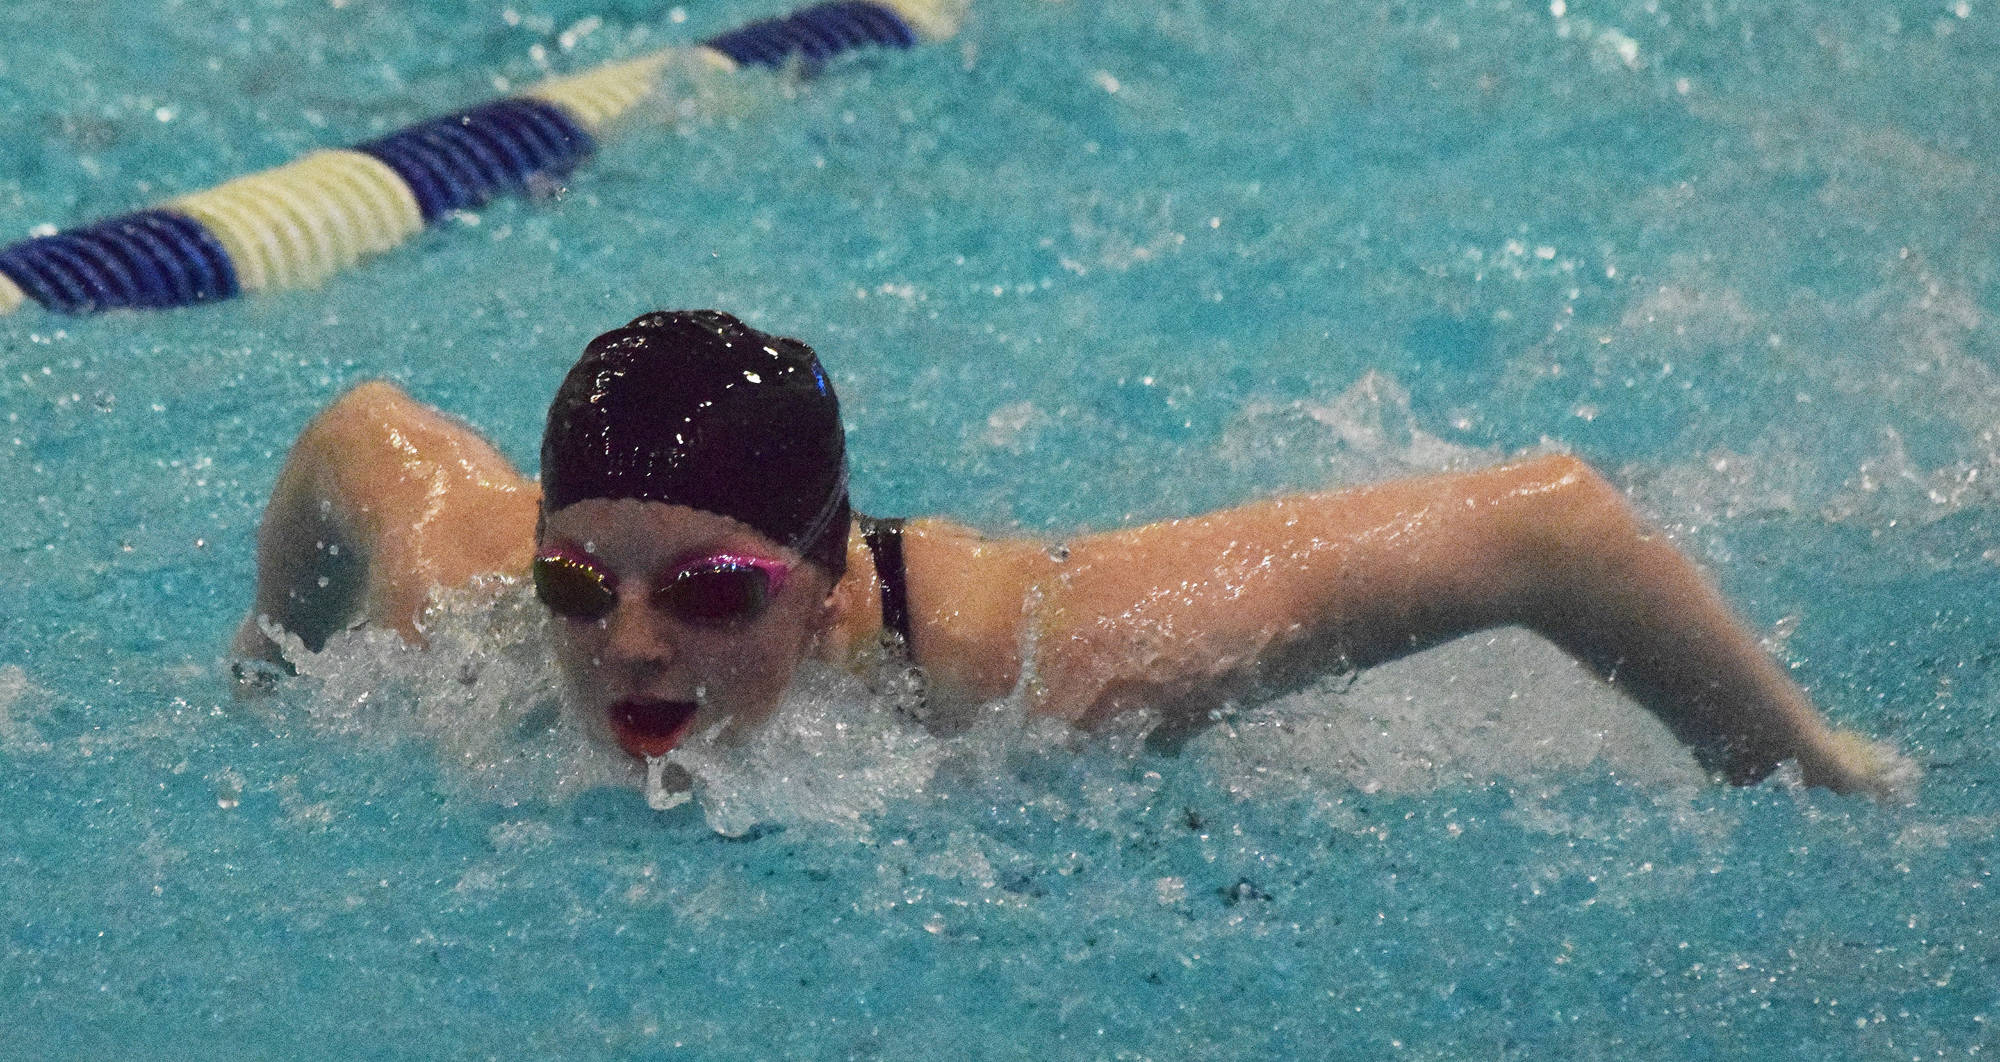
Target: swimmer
{"x":692,"y":537}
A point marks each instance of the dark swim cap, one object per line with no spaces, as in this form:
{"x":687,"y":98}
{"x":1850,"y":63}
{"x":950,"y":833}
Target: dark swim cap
{"x":696,"y":408}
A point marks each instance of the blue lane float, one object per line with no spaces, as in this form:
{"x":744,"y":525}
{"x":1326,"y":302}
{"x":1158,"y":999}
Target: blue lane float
{"x":816,"y":34}
{"x":153,"y":258}
{"x":297,"y":224}
{"x":460,"y":161}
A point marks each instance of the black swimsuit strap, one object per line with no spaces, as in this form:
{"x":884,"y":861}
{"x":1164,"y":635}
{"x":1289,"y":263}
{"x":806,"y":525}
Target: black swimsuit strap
{"x":885,"y":543}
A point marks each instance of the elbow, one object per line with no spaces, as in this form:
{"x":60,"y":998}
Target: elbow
{"x":1577,"y":536}
{"x":1576,"y":510}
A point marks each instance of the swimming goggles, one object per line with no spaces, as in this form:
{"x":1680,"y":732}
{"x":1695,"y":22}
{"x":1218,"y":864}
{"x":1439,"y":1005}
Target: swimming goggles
{"x":715,"y":591}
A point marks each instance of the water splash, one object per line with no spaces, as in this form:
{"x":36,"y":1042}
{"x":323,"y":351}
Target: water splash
{"x":659,"y":796}
{"x":1365,"y":434}
{"x":484,"y":693}
{"x":827,"y":756}
{"x":1500,"y":705}
{"x":838,"y":753}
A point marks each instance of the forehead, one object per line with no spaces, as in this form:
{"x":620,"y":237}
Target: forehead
{"x":626,"y":531}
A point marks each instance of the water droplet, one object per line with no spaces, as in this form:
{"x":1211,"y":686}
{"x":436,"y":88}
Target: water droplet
{"x":658,"y":796}
{"x":228,"y":788}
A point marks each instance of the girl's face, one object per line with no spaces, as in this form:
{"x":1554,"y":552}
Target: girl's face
{"x":671,"y":620}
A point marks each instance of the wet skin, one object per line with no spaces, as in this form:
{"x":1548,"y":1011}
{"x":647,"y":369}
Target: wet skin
{"x":648,"y":679}
{"x":384,"y":500}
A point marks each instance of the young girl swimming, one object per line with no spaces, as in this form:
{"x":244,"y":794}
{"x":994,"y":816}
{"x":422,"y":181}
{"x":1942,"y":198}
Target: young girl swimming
{"x":692,"y":534}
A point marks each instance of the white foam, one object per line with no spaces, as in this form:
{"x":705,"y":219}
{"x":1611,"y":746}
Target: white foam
{"x":660,"y":794}
{"x":484,"y":693}
{"x":830,"y":755}
{"x":1503,"y":704}
{"x":1910,"y":345}
{"x":1365,"y":434}
{"x":486,"y":696}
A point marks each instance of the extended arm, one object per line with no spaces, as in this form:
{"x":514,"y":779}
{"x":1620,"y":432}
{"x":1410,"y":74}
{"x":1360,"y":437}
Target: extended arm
{"x":381,"y":501}
{"x":1185,"y":612}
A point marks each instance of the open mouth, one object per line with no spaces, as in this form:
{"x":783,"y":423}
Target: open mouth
{"x":651,"y":728}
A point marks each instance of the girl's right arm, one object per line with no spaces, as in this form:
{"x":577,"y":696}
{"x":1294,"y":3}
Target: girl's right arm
{"x":381,"y":501}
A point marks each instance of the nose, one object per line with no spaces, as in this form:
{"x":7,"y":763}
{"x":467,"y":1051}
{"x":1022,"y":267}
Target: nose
{"x":635,"y":634}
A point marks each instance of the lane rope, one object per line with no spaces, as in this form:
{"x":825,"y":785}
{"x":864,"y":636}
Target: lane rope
{"x":297,"y":224}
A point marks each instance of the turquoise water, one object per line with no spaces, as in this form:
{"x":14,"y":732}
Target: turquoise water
{"x":1085,"y":265}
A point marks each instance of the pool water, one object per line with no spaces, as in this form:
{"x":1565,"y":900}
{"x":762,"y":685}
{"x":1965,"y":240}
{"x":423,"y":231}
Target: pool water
{"x":1082,"y":266}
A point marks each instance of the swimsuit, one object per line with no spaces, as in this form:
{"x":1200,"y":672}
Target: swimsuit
{"x":898,"y":678}
{"x":885,"y":545}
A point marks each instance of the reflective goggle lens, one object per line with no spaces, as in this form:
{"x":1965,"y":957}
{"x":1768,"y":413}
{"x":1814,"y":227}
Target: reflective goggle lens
{"x":573,"y":588}
{"x":718,"y":594}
